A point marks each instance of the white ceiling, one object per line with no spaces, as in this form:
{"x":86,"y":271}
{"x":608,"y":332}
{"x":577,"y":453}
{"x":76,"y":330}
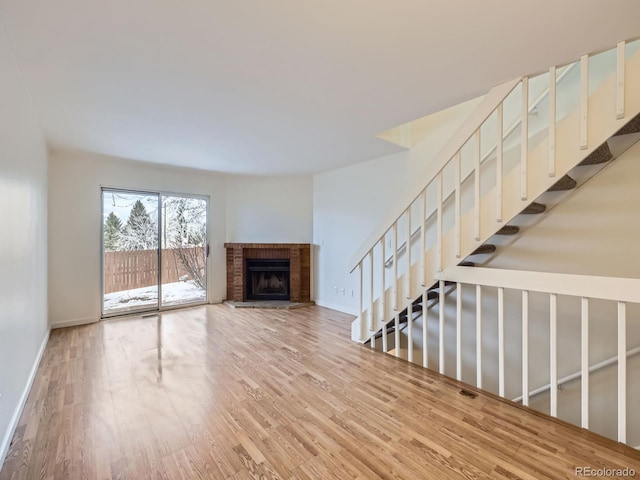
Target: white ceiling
{"x":280,"y":86}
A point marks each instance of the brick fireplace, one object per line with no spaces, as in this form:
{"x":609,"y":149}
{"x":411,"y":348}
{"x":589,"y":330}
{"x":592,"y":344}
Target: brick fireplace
{"x":282,"y":266}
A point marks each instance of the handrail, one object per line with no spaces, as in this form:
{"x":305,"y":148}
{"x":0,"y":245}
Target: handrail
{"x":515,"y":124}
{"x":588,"y":286}
{"x":484,"y":109}
{"x":401,"y":249}
{"x":574,"y":376}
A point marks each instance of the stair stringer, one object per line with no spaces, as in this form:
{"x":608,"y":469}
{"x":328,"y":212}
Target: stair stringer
{"x":602,"y":124}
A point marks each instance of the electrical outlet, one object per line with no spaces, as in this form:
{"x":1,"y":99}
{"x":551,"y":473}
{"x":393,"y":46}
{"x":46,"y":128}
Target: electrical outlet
{"x":342,"y":291}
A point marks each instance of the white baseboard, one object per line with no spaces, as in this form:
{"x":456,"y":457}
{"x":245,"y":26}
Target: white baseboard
{"x":74,"y":323}
{"x":13,"y":423}
{"x":339,"y":308}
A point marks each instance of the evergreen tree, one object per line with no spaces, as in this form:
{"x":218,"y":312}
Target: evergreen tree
{"x":112,"y":228}
{"x":140,"y":231}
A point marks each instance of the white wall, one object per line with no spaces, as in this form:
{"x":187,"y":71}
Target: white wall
{"x":349,"y":203}
{"x":75,"y":180}
{"x":269,"y":209}
{"x":23,"y":243}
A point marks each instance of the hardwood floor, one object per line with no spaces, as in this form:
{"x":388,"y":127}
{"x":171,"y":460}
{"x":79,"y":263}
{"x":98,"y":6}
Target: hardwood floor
{"x":213,"y":392}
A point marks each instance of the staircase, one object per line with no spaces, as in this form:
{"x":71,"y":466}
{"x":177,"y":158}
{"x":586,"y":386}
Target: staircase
{"x":527,"y":146}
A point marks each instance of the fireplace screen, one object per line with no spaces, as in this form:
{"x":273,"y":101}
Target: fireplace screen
{"x":268,"y":279}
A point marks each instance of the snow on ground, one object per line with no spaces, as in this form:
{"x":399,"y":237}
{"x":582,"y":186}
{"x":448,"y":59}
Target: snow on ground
{"x":172,"y":294}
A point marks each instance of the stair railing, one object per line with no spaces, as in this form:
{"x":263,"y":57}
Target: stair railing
{"x":464,"y":145}
{"x":620,"y":291}
{"x":469,"y":130}
{"x":517,"y":122}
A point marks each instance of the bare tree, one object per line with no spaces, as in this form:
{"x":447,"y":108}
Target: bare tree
{"x":185,"y":223}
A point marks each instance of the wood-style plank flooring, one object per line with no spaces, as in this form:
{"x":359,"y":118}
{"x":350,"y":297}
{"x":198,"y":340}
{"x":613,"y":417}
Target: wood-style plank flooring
{"x":213,"y":392}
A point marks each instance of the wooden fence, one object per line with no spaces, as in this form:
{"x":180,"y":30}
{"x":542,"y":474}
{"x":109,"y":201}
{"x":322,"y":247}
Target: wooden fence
{"x":139,"y":268}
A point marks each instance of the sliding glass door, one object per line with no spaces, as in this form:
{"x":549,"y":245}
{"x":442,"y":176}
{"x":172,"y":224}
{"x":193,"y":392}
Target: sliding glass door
{"x":184,"y":250}
{"x":137,"y":275}
{"x":130,"y":252}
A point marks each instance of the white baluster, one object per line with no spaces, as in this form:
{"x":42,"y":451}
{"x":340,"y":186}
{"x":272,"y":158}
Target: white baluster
{"x":501,"y":341}
{"x":478,"y":336}
{"x":525,"y":348}
{"x":395,"y":267}
{"x":407,"y":291}
{"x":383,"y":279}
{"x":459,"y":331}
{"x":584,"y":101}
{"x":439,"y":223}
{"x":476,"y":176}
{"x":423,"y":236}
{"x":458,"y":211}
{"x":524,"y":152}
{"x":499,"y":161}
{"x":441,"y":305}
{"x":363,"y":321}
{"x":585,"y":362}
{"x":371,"y":311}
{"x":622,"y":372}
{"x":620,"y":80}
{"x":410,"y":332}
{"x":396,"y":333}
{"x":385,"y":337}
{"x":425,"y":331}
{"x":552,"y":121}
{"x":553,"y":353}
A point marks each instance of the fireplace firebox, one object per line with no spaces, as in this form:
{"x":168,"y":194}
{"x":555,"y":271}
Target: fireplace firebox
{"x":268,"y":279}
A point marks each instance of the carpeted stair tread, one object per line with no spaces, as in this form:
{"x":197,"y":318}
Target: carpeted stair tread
{"x":534,"y":208}
{"x":632,"y":127}
{"x":482,"y":249}
{"x":601,"y":154}
{"x":508,"y":230}
{"x":565,"y":183}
